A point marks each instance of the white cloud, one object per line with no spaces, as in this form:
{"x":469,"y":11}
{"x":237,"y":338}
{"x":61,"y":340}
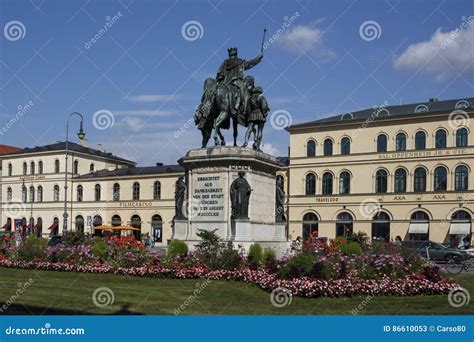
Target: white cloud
{"x":144,"y":112}
{"x":153,"y":98}
{"x":445,"y":54}
{"x":270,"y":149}
{"x":307,"y":39}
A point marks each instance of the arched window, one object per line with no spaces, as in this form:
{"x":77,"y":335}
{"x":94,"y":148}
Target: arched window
{"x":10,"y":169}
{"x":419,"y":225}
{"x":54,"y":228}
{"x":32,"y":168}
{"x":136,"y":222}
{"x":97,"y":221}
{"x":381,"y":143}
{"x":91,"y":167}
{"x":116,"y":192}
{"x":440,"y":179}
{"x":56,"y":166}
{"x":25,"y":167}
{"x":381,"y":181}
{"x":32,"y":193}
{"x":80,"y":193}
{"x":23,"y":194}
{"x":56,"y":193}
{"x":116,"y":221}
{"x":381,"y":227}
{"x":40,"y":193}
{"x":311,"y":148}
{"x":461,"y":174}
{"x":344,"y":224}
{"x":401,"y":142}
{"x":328,"y":147}
{"x":440,"y":137}
{"x":136,"y":191}
{"x":400,"y":181}
{"x":79,"y":224}
{"x":327,"y":183}
{"x":461,"y":137}
{"x":97,"y":192}
{"x":419,"y":184}
{"x":9,"y":195}
{"x":461,"y":216}
{"x":40,"y":167}
{"x":310,"y":225}
{"x":157,"y":190}
{"x":157,"y":226}
{"x":344,"y":182}
{"x":420,"y":140}
{"x":39,"y":227}
{"x":345,"y":146}
{"x":76,"y":167}
{"x":310,"y":184}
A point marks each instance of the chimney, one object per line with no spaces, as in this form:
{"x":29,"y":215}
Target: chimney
{"x":99,"y":147}
{"x":159,"y":164}
{"x":434,"y":99}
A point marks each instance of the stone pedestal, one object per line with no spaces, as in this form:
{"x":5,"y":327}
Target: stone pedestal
{"x":210,"y":173}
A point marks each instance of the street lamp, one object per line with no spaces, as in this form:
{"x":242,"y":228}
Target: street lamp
{"x":81,"y":135}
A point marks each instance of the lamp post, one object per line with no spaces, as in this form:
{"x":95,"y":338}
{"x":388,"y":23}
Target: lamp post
{"x":81,"y":135}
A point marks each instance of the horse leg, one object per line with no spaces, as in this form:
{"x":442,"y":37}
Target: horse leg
{"x":247,"y":134}
{"x":217,"y":132}
{"x":235,"y":124}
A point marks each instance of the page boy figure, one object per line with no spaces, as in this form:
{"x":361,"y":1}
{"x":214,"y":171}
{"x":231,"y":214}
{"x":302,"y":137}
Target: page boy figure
{"x":258,"y":111}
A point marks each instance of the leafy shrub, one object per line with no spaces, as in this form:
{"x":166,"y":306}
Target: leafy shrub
{"x":255,"y":255}
{"x":98,"y":247}
{"x":298,"y":266}
{"x":269,"y":260}
{"x":32,"y":248}
{"x":215,"y":253}
{"x":351,"y":248}
{"x":177,"y":248}
{"x":73,"y":238}
{"x":368,"y":273}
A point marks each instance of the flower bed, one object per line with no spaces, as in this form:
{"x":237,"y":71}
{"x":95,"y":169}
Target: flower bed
{"x":305,"y":273}
{"x":409,"y":285}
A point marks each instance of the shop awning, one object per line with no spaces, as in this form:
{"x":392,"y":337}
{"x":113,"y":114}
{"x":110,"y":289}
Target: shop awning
{"x":460,"y":228}
{"x":115,"y":228}
{"x":7,"y":226}
{"x":418,"y":228}
{"x":53,"y":226}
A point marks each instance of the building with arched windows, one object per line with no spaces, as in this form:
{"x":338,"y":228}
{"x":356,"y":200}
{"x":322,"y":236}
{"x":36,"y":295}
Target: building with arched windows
{"x":403,"y":170}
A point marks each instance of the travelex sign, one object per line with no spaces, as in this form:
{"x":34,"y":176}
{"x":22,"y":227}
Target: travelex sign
{"x":359,"y":328}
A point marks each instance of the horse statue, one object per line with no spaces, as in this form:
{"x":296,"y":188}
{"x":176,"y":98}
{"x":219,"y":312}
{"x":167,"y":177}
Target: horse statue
{"x":215,"y":111}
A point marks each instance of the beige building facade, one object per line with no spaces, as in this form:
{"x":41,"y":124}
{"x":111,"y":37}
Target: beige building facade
{"x":392,"y":171}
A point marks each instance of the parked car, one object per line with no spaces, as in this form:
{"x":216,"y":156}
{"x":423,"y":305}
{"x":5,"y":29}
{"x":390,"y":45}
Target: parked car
{"x":439,"y":252}
{"x":469,"y":251}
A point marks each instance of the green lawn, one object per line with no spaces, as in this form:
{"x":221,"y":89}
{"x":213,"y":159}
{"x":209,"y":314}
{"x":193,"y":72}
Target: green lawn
{"x":71,"y":293}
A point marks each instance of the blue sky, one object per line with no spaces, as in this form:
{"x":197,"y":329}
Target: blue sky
{"x":149,"y":74}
